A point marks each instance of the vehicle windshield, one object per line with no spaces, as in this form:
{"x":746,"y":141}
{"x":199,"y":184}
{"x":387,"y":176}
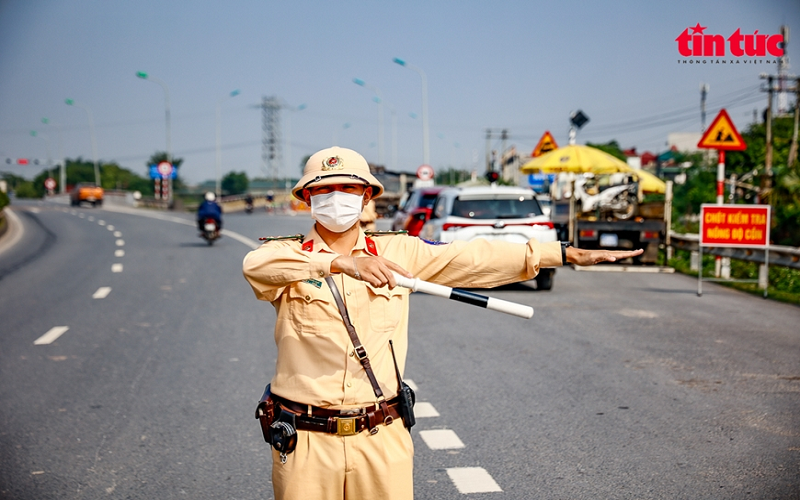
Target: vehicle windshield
{"x":518,"y":207}
{"x":427,"y":201}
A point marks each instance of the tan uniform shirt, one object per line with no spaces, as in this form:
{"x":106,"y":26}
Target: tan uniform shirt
{"x":316,"y":364}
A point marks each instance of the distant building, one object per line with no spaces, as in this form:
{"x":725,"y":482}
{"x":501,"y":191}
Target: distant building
{"x":685,"y":142}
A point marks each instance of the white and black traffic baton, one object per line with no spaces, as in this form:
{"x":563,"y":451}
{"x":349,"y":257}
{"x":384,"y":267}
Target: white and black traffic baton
{"x":492,"y":303}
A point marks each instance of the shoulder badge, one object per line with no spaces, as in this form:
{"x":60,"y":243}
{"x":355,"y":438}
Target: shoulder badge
{"x":278,"y":238}
{"x":384,"y":233}
{"x":371,"y":249}
{"x":308,"y":246}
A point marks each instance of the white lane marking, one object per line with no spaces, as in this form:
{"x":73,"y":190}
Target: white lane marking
{"x":441,"y":439}
{"x":101,"y":222}
{"x":102,"y":292}
{"x":155,"y":215}
{"x":423,"y":409}
{"x":82,"y":215}
{"x":119,"y":253}
{"x":91,"y":218}
{"x":638,"y":313}
{"x":472,"y":480}
{"x":410,"y":384}
{"x":120,"y":243}
{"x":116,"y":268}
{"x":51,"y":335}
{"x":110,"y":227}
{"x":117,"y":233}
{"x":15,"y":230}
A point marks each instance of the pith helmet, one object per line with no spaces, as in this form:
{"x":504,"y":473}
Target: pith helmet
{"x":336,"y":166}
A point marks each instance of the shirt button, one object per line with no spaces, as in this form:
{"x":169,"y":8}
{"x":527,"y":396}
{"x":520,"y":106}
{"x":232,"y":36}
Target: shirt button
{"x":347,"y":293}
{"x":322,"y":273}
{"x":308,"y":297}
{"x":352,"y":353}
{"x":349,"y":384}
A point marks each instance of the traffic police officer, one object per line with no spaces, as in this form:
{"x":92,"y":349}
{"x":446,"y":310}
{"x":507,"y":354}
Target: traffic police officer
{"x":317,"y":371}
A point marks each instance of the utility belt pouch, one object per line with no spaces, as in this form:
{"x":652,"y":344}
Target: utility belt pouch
{"x":265,"y":413}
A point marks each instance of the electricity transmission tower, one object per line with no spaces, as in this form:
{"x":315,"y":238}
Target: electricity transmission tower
{"x":271,"y":149}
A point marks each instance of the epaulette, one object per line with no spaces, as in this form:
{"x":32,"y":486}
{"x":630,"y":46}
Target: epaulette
{"x":384,"y":233}
{"x":278,"y":238}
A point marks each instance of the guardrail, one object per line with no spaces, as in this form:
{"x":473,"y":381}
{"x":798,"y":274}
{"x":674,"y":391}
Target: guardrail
{"x":778,"y":255}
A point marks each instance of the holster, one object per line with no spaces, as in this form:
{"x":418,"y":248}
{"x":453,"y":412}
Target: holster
{"x":265,"y":414}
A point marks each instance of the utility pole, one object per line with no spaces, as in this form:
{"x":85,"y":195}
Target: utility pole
{"x":793,"y":148}
{"x":766,"y":178}
{"x":703,"y":92}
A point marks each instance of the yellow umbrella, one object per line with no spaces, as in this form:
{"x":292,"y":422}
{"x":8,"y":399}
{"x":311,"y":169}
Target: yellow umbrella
{"x":579,"y":159}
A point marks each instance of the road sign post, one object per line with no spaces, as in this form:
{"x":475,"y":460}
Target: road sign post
{"x":722,"y":136}
{"x":545,"y":145}
{"x":731,"y":226}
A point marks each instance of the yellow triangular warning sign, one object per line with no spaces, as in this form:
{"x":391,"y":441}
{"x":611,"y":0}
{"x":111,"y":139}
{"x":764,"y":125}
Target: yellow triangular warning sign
{"x":722,"y":134}
{"x":546,"y":144}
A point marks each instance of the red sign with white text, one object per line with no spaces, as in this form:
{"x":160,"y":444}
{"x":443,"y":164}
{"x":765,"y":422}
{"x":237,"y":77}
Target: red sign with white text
{"x":734,"y":225}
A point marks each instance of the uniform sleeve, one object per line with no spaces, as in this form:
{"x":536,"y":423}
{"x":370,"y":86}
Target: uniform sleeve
{"x":277,"y":264}
{"x":478,"y":263}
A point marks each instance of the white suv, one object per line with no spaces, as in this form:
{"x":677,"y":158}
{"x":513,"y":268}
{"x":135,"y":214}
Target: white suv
{"x":494,"y":213}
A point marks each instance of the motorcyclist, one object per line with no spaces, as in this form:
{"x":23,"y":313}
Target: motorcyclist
{"x":209,"y":209}
{"x":248,"y":203}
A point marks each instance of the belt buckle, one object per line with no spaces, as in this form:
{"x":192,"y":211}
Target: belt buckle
{"x":346,"y":426}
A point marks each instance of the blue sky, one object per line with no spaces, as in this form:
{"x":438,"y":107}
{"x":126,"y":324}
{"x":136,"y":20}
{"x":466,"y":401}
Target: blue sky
{"x":519,"y":65}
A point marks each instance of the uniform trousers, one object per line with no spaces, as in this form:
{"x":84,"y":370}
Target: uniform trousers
{"x":363,"y":466}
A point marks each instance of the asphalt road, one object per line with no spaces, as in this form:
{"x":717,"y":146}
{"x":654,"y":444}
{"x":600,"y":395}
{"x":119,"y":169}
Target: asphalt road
{"x":621,"y":386}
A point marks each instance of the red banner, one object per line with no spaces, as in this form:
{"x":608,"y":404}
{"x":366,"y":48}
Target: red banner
{"x":734,"y":225}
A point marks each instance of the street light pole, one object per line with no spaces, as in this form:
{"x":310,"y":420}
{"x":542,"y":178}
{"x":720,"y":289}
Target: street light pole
{"x":426,"y":156}
{"x":62,"y":181}
{"x":72,"y":102}
{"x":219,"y":135}
{"x":359,"y":81}
{"x":144,"y":76}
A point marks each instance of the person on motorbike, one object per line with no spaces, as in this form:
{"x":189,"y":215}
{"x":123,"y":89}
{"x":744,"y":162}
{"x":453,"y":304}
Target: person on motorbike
{"x":209,"y":209}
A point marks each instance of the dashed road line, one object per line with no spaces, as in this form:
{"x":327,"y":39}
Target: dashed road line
{"x":117,"y":233}
{"x":441,"y":439}
{"x":472,"y":480}
{"x":51,"y":335}
{"x":110,"y":227}
{"x":90,"y":218}
{"x":101,"y":222}
{"x":424,"y":410}
{"x":119,"y":253}
{"x":102,"y":292}
{"x":120,"y":243}
{"x":116,"y":268}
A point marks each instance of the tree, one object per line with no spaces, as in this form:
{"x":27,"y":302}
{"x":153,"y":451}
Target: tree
{"x":160,"y":156}
{"x":235,"y":183}
{"x":611,"y":147}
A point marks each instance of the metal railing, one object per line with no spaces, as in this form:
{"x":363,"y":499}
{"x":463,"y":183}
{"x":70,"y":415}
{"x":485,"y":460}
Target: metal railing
{"x":778,"y":255}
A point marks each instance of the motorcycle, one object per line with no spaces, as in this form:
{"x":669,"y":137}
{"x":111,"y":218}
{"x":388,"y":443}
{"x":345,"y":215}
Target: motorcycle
{"x":210,"y":231}
{"x":619,"y":200}
{"x":248,"y":207}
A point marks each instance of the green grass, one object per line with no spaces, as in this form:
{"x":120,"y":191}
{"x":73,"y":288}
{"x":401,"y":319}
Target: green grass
{"x":784,"y":282}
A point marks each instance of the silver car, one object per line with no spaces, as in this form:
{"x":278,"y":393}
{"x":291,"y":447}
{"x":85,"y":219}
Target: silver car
{"x":505,"y":213}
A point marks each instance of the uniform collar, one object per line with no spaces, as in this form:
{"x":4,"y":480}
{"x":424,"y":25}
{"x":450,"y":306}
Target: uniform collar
{"x":317,"y":244}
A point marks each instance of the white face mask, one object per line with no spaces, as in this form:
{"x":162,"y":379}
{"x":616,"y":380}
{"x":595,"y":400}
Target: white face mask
{"x":337,"y":211}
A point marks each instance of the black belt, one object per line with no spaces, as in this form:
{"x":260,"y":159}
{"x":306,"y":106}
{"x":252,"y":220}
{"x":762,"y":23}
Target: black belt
{"x":340,"y":422}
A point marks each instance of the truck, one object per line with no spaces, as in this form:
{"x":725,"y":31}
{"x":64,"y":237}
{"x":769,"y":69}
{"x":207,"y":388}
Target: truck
{"x":88,"y":192}
{"x":646,"y":227}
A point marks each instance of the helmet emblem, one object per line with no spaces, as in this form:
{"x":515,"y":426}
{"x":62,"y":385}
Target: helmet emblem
{"x":332,"y":163}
